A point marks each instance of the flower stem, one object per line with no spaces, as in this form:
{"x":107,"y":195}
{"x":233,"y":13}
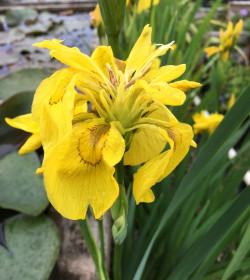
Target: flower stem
{"x":102,"y":245}
{"x":113,"y":40}
{"x":93,"y":248}
{"x":117,"y":262}
{"x":118,"y":247}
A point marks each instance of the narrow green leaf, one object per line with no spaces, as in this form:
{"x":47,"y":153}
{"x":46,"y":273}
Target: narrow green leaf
{"x":204,"y":245}
{"x":230,"y":123}
{"x":240,"y":254}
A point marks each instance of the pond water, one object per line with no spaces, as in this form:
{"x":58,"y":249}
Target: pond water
{"x":19,"y":31}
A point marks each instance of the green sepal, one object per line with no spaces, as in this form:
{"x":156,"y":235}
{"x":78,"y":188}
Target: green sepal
{"x":112,"y":12}
{"x":119,"y":212}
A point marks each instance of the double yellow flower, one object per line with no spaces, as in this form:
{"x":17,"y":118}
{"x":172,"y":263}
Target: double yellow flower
{"x":100,"y":110}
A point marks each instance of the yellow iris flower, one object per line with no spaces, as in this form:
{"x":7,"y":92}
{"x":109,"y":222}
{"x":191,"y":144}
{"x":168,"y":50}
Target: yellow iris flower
{"x":100,"y":110}
{"x":204,"y":121}
{"x":227,"y":40}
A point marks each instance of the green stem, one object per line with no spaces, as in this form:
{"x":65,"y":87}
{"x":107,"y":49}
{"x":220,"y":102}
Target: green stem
{"x":113,"y":40}
{"x":93,"y":248}
{"x":102,"y":245}
{"x":117,"y":262}
{"x":119,"y":174}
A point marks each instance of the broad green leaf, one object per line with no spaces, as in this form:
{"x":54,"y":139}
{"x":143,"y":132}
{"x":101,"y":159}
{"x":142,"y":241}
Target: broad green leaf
{"x":20,"y":188}
{"x":21,"y":81}
{"x":32,"y":248}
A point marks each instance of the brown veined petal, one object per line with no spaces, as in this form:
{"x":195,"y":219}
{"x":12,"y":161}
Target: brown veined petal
{"x":146,"y":143}
{"x":79,"y":170}
{"x":57,"y":109}
{"x":51,"y":90}
{"x":179,"y":137}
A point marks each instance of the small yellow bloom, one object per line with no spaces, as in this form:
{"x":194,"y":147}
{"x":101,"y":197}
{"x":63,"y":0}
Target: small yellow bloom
{"x":101,"y":109}
{"x":145,"y":4}
{"x":204,"y":121}
{"x":26,"y":123}
{"x":231,"y":101}
{"x":142,"y":5}
{"x":227,"y":40}
{"x":96,"y":18}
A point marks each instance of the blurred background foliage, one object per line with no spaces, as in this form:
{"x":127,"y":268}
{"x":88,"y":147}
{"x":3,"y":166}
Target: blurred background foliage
{"x":198,"y":227}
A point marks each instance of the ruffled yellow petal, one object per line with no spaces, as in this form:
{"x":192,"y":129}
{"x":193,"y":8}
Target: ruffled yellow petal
{"x":32,"y":144}
{"x":168,"y":73}
{"x":204,"y":121}
{"x":51,"y":90}
{"x":162,"y":113}
{"x":211,"y":50}
{"x":163,"y":93}
{"x":79,"y":171}
{"x":237,"y":29}
{"x":72,"y":57}
{"x":81,"y":105}
{"x":96,"y":18}
{"x":229,"y":30}
{"x":53,"y":106}
{"x":146,"y":143}
{"x":185,"y":85}
{"x":179,"y":137}
{"x":104,"y":58}
{"x":164,"y":74}
{"x":26,"y":123}
{"x":139,"y":53}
